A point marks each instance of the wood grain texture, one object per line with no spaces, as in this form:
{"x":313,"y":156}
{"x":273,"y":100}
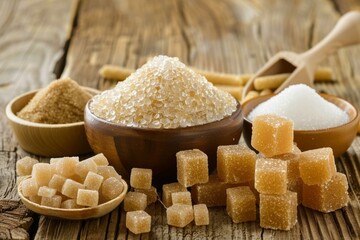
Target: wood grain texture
{"x":232,"y":36}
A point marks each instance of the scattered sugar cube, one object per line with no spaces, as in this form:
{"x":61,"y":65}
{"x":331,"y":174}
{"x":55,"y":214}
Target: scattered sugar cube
{"x":205,"y":192}
{"x":108,"y":171}
{"x":141,"y":178}
{"x":327,"y":197}
{"x":85,"y":166}
{"x":69,"y":204}
{"x":57,"y":182}
{"x":134,"y":201}
{"x":181,"y":198}
{"x":87,"y":197}
{"x":100,"y":159}
{"x":35,"y":199}
{"x":54,"y":201}
{"x":235,"y":163}
{"x":29,"y":187}
{"x":241,"y":204}
{"x":168,"y":189}
{"x":317,"y":166}
{"x":93,"y":181}
{"x":151,"y":194}
{"x":272,"y":135}
{"x":70,"y":188}
{"x":24,"y":166}
{"x":112,"y":188}
{"x":278,"y":212}
{"x":179,"y":215}
{"x":201,"y":215}
{"x":192,"y":167}
{"x":66,"y":166}
{"x":271,"y":176}
{"x":41,"y":172}
{"x":45,"y":191}
{"x":138,"y":222}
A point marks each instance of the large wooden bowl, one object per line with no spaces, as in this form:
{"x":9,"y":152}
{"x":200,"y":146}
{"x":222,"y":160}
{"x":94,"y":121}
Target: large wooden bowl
{"x":74,"y":214}
{"x":128,"y":147}
{"x":49,"y":140}
{"x":338,"y":138}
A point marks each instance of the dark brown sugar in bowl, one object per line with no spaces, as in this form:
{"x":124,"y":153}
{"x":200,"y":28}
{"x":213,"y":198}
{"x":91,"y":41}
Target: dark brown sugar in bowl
{"x":163,"y":93}
{"x":62,"y":101}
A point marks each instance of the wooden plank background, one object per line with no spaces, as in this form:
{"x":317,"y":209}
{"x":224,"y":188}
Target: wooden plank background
{"x":40,"y":40}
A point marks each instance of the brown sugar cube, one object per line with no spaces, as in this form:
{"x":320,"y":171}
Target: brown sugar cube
{"x":29,"y":187}
{"x":271,"y":176}
{"x":278,"y":212}
{"x":69,"y":204}
{"x":192,"y":167}
{"x":138,"y":222}
{"x":292,"y":159}
{"x":201,"y":215}
{"x":45,"y":191}
{"x":327,"y":197}
{"x":235,"y":163}
{"x":70,"y":188}
{"x":141,"y":178}
{"x":100,"y":159}
{"x":134,"y":201}
{"x":241,"y":204}
{"x":87,"y":197}
{"x":41,"y":172}
{"x":66,"y":167}
{"x":35,"y":199}
{"x":179,"y":215}
{"x":54,"y":201}
{"x":272,"y":135}
{"x":205,"y":192}
{"x":24,"y":166}
{"x":168,"y":189}
{"x":181,"y":198}
{"x":151,"y":194}
{"x":111,"y":188}
{"x":317,"y":166}
{"x":93,"y":181}
{"x":56,"y":182}
{"x":107,"y":172}
{"x":296,"y":187}
{"x":85,"y":166}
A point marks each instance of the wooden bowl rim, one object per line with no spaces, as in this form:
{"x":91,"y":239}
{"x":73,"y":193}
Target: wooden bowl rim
{"x":238,"y":111}
{"x":324,"y":95}
{"x":34,"y":206}
{"x":14,"y":118}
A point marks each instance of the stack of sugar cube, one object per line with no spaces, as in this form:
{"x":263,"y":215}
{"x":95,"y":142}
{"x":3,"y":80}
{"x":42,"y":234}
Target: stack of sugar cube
{"x":69,"y":183}
{"x":283,"y":172}
{"x":135,"y":202}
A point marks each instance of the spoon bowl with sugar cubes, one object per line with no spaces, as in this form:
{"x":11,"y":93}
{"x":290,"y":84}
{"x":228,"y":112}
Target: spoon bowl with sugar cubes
{"x":320,"y":120}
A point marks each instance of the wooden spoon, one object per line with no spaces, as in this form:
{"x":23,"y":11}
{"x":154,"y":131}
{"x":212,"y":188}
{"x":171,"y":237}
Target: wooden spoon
{"x":302,"y":66}
{"x":77,"y":213}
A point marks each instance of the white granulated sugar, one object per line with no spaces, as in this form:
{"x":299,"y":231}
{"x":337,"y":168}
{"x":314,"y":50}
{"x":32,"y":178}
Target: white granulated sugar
{"x":304,"y":106}
{"x":163,"y":93}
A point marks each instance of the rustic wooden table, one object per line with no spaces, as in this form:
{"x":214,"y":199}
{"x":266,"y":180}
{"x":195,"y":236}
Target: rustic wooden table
{"x":44,"y":40}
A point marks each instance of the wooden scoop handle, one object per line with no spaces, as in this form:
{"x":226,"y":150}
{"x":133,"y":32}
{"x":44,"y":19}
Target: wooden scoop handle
{"x":345,"y":33}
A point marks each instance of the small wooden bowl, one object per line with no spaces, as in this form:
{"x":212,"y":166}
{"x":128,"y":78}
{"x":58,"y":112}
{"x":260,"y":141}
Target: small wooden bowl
{"x":74,"y":214}
{"x":338,"y":138}
{"x":49,"y":140}
{"x":128,"y":147}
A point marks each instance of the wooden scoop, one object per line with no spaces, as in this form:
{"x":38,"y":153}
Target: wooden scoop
{"x":302,"y":66}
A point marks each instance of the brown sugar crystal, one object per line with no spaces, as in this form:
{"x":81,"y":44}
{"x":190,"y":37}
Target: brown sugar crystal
{"x":241,"y":204}
{"x":63,"y":101}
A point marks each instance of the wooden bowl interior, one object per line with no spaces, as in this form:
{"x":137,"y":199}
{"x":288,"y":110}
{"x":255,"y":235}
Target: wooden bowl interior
{"x":338,"y":138}
{"x":50,"y":140}
{"x":128,"y":147}
{"x":74,"y":214}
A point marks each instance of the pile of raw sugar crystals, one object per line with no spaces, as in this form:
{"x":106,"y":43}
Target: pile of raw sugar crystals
{"x":305,"y":107}
{"x":163,"y":93}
